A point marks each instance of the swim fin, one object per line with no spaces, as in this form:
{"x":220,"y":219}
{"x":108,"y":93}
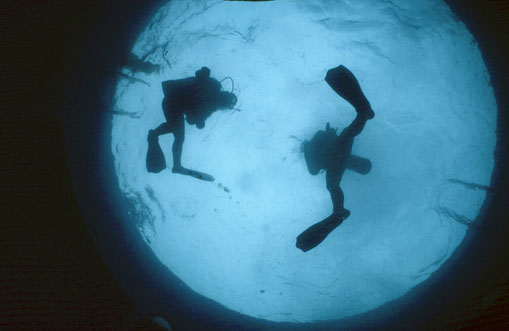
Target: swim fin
{"x":315,"y":234}
{"x":193,"y":173}
{"x":155,"y":156}
{"x":344,"y":83}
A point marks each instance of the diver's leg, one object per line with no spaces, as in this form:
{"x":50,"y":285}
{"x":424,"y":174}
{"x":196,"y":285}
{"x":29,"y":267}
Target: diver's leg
{"x":333,"y":178}
{"x":344,"y":142}
{"x":160,"y":130}
{"x":355,"y":127}
{"x":179,"y":134}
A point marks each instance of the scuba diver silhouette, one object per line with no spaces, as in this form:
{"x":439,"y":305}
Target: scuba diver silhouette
{"x":195,"y":99}
{"x":332,"y":153}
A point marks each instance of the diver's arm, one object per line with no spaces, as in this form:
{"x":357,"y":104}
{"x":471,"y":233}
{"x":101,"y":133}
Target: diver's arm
{"x":198,"y":115}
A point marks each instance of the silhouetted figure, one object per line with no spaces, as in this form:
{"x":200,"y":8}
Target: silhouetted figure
{"x":332,"y":153}
{"x":193,"y":100}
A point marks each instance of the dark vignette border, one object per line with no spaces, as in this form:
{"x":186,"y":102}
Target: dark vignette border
{"x":156,"y":291}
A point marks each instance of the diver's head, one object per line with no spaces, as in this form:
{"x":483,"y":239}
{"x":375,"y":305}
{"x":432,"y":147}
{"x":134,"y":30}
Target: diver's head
{"x":226,"y":100}
{"x":203,"y":73}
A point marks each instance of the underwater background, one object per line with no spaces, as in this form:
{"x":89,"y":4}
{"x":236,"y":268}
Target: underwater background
{"x":432,"y":140}
{"x":75,"y":251}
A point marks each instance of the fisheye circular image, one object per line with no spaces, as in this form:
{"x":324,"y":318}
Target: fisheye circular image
{"x":301,"y":161}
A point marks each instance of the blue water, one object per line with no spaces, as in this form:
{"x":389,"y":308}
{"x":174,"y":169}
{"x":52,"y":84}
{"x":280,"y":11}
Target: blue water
{"x":233,"y":240}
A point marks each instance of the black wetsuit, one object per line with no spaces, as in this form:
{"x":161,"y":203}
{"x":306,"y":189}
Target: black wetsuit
{"x":336,"y":165}
{"x":196,"y":98}
{"x":332,"y":152}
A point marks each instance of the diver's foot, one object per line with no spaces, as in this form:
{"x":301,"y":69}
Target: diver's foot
{"x":342,"y":214}
{"x":179,"y":170}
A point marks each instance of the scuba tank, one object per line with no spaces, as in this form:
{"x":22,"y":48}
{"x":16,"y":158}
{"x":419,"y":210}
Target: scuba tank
{"x":194,"y":92}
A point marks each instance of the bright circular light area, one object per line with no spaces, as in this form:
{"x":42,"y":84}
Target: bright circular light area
{"x":431,"y":144}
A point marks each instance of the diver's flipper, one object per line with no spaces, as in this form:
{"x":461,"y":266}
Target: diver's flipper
{"x":358,"y":164}
{"x":344,"y":83}
{"x":193,"y":173}
{"x":155,"y":157}
{"x":315,"y":234}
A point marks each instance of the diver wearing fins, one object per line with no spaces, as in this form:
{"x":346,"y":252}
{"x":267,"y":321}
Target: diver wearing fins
{"x":332,"y":153}
{"x":190,"y":100}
